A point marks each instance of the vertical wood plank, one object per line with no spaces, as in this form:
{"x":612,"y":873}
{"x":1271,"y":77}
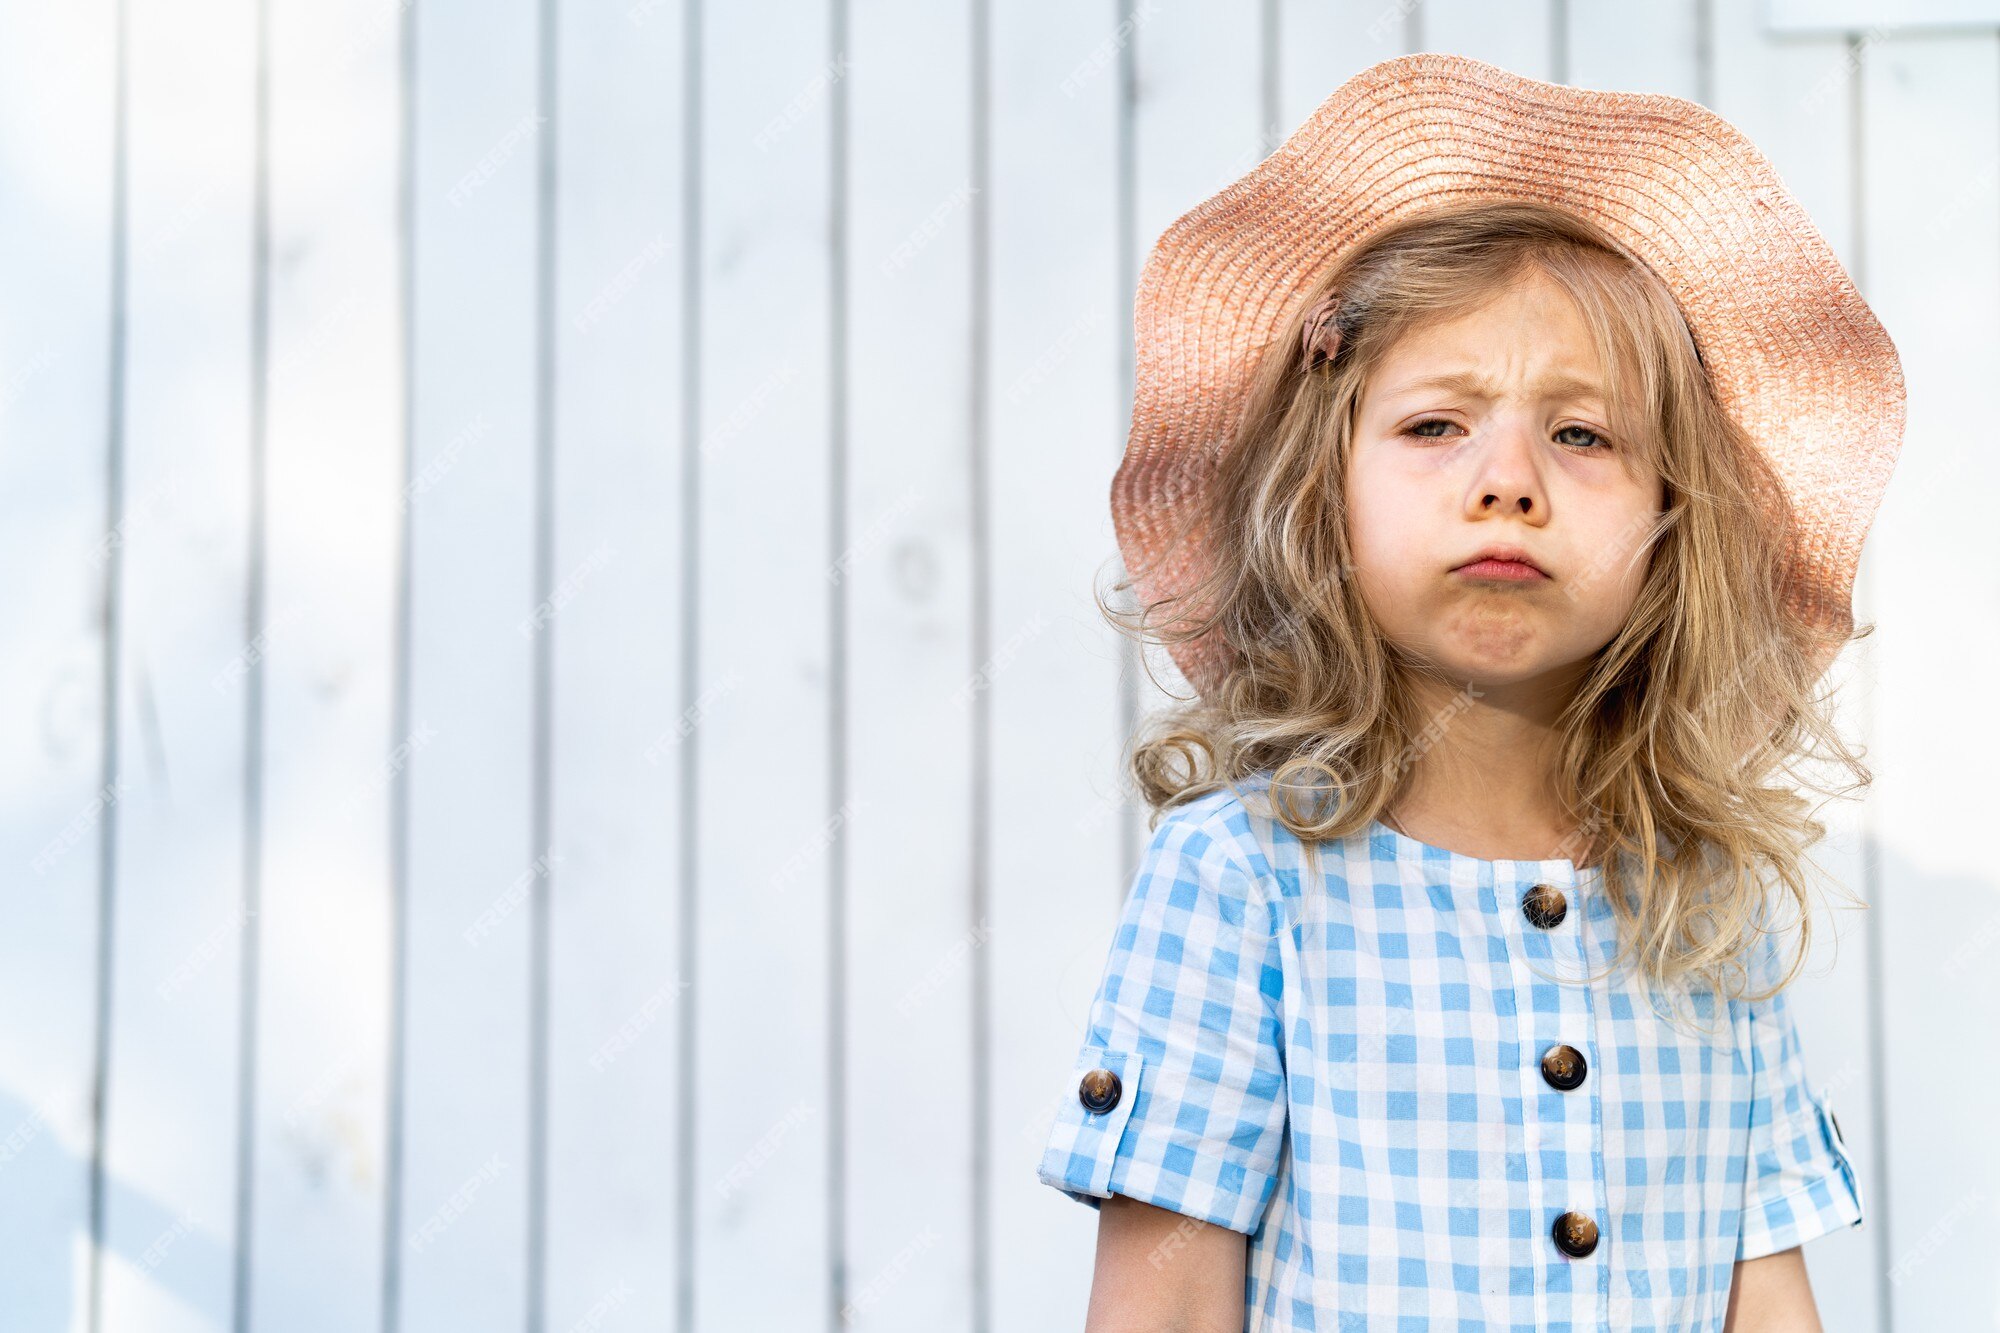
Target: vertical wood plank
{"x":59,"y":553}
{"x":912,"y":574}
{"x":1199,"y":93}
{"x":1650,"y":48}
{"x":1517,"y":35}
{"x":624,"y":708}
{"x":774,"y":812}
{"x":186,"y":651}
{"x":1050,"y":842}
{"x":332,"y":746}
{"x":1320,"y":45}
{"x":479,"y":606}
{"x":1930,"y":231}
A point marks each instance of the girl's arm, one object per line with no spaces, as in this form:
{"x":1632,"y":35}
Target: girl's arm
{"x":1161,"y":1272}
{"x":1772,"y":1295}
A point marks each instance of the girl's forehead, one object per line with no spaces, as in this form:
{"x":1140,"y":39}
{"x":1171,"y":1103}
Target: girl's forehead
{"x":1490,"y":353}
{"x":1535,"y":302}
{"x":1533,"y":317}
{"x":1460,"y":378}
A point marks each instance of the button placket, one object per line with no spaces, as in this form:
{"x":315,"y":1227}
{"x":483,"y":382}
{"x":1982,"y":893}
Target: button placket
{"x":1554,"y":952}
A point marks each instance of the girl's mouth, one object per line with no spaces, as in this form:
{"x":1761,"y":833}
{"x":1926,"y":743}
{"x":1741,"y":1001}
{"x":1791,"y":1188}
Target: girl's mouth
{"x":1511,"y":570}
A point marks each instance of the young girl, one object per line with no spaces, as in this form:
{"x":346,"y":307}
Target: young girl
{"x":1501,"y":457}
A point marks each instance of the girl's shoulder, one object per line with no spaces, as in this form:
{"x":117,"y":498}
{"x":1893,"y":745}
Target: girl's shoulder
{"x":1235,"y":814}
{"x":1236,"y":829}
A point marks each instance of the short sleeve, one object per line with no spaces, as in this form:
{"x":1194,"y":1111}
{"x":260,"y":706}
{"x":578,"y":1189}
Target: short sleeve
{"x":1177,"y":1097}
{"x":1799,"y":1179}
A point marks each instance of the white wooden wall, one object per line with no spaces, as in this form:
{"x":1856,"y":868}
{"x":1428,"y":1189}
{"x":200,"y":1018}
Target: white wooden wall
{"x":560,"y":769}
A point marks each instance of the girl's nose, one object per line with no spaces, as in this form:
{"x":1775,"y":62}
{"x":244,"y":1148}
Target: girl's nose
{"x":1507,"y":477}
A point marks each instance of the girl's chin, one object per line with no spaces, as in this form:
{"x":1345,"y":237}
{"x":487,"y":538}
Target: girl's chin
{"x":1496,"y":660}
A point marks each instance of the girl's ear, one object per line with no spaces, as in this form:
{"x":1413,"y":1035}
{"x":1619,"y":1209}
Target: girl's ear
{"x":1320,"y":341}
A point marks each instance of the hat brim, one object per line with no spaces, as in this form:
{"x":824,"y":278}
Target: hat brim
{"x":1794,"y":353}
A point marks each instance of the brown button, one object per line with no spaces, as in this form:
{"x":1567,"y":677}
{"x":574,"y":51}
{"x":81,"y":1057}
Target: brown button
{"x":1544,"y":905}
{"x":1563,"y":1067}
{"x":1576,"y":1234}
{"x":1099,"y":1091}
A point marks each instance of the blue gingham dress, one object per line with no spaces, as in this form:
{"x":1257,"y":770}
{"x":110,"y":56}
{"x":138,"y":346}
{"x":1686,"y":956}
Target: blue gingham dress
{"x":1347,"y":1067}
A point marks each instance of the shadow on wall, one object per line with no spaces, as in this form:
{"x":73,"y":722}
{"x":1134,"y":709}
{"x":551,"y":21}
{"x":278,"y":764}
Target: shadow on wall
{"x":42,"y":1258}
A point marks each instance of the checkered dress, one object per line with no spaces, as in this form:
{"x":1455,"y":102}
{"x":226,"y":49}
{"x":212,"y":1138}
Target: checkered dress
{"x":1349,"y":1068}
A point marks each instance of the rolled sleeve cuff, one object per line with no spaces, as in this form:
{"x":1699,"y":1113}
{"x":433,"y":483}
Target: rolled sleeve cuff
{"x":1821,"y":1196}
{"x":1137,"y":1149}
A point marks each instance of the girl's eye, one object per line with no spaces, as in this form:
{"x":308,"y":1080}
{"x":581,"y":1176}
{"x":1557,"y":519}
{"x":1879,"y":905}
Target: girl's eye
{"x":1595,"y":441}
{"x":1436,"y":428}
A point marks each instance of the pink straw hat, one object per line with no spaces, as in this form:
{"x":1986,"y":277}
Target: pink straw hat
{"x":1795,"y":355}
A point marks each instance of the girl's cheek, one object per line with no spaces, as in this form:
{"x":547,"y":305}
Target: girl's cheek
{"x":1391,"y":509}
{"x":1388,"y":553}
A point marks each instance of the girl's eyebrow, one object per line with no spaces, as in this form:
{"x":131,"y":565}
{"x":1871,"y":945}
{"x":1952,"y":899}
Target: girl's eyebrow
{"x":1473,"y":385}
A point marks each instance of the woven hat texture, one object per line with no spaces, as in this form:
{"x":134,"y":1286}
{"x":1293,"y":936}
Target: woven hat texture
{"x":1795,"y":355}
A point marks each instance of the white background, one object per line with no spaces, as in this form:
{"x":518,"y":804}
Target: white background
{"x":560,"y":768}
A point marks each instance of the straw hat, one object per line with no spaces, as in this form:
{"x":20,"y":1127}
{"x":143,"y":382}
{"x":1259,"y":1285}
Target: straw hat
{"x":1794,"y":353}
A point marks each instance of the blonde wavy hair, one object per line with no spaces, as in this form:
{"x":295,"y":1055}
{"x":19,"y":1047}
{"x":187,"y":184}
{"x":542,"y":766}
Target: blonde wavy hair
{"x":1681,"y":757}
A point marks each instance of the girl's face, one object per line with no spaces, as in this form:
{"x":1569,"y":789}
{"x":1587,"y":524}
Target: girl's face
{"x":1489,"y":431}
